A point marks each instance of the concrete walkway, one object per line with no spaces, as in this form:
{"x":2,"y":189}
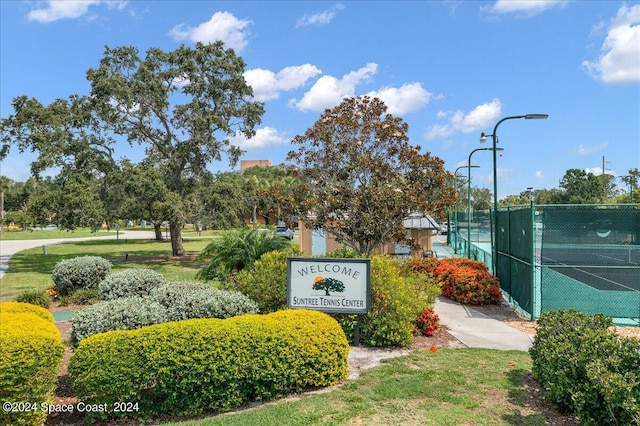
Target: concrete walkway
{"x":476,"y":330}
{"x":472,"y":328}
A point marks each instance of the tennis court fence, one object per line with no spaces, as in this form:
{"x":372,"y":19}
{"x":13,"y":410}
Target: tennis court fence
{"x":585,"y":257}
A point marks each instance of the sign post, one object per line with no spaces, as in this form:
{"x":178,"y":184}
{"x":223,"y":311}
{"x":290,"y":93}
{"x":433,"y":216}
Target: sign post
{"x":330,"y":285}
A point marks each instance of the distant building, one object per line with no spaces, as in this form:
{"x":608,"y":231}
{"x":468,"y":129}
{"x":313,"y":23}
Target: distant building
{"x":245,"y":164}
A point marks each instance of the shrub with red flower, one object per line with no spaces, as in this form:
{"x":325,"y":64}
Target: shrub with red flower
{"x":427,"y":323}
{"x":467,"y":281}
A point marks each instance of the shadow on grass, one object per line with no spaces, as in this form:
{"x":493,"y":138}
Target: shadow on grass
{"x":116,"y":251}
{"x":521,"y":395}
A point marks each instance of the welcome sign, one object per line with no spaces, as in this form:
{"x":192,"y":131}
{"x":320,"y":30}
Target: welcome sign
{"x":329,"y":285}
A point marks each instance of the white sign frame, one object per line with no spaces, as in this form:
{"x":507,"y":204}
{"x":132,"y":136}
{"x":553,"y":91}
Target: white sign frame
{"x":346,"y":284}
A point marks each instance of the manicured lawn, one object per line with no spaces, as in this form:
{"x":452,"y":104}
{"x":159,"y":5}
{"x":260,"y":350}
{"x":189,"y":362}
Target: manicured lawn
{"x":450,"y":387}
{"x":31,"y":269}
{"x":54,"y":233}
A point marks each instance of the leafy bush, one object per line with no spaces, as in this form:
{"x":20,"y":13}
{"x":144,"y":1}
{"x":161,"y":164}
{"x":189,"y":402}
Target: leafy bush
{"x":79,"y":272}
{"x":35,"y":297}
{"x":238,"y":249}
{"x":585,"y":368}
{"x":31,"y":351}
{"x":195,"y":299}
{"x":130,"y":282}
{"x":84,"y":296}
{"x":467,"y":281}
{"x":186,"y":367}
{"x":428,"y":323}
{"x":394,"y":306}
{"x":126,"y":313}
{"x":266,"y":282}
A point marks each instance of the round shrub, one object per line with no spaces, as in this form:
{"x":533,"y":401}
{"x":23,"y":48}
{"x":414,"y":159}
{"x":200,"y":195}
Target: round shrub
{"x":126,"y":313}
{"x":187,"y":367}
{"x":131,"y":282}
{"x":195,"y":299}
{"x":31,"y":351}
{"x":79,"y":272}
{"x":566,"y":341}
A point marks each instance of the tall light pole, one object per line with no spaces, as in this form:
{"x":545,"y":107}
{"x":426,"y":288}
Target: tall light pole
{"x":469,"y":196}
{"x":494,"y":137}
{"x":455,"y":206}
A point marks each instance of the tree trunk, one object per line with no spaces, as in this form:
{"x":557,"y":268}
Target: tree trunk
{"x":157,"y":227}
{"x":177,"y":248}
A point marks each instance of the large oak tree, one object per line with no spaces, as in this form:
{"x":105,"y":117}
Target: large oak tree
{"x":361,"y":177}
{"x":182,"y":106}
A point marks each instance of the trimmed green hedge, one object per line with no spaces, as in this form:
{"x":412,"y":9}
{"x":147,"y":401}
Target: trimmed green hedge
{"x":187,"y":367}
{"x":585,"y":368}
{"x":31,"y":351}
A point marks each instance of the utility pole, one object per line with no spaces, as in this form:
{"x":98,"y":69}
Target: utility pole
{"x":604,"y":180}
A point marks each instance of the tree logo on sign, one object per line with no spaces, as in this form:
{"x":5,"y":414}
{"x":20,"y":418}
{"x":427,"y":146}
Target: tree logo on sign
{"x":326,"y":284}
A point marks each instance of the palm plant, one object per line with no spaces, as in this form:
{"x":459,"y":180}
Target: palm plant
{"x":238,"y":249}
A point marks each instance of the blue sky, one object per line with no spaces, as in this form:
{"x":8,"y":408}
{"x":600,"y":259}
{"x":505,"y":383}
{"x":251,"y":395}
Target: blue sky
{"x":450,"y":69}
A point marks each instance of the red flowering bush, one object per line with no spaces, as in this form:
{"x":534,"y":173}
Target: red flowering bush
{"x":427,"y":323}
{"x":422,"y":264}
{"x":467,"y":281}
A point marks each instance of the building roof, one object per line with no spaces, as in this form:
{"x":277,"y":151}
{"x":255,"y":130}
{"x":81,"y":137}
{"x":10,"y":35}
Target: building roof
{"x":420,"y":221}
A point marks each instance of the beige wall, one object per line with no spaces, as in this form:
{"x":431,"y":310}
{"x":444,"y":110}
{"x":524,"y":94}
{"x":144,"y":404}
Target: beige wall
{"x":423,"y":237}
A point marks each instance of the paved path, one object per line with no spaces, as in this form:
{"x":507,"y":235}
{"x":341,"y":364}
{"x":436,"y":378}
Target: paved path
{"x":11,"y":247}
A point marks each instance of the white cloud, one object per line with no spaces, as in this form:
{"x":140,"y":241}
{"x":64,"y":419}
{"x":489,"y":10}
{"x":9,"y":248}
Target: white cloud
{"x":588,"y":150}
{"x":222,"y":26}
{"x":322,"y":18}
{"x":56,"y":10}
{"x":479,"y":118}
{"x":619,"y":60}
{"x":267,"y":85}
{"x":401,"y":100}
{"x":527,"y":7}
{"x":539,"y":174}
{"x":329,"y":91}
{"x":264,"y":138}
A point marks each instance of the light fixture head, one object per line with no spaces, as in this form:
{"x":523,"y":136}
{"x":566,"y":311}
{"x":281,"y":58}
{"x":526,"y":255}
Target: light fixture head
{"x":483,"y":137}
{"x":536,"y":116}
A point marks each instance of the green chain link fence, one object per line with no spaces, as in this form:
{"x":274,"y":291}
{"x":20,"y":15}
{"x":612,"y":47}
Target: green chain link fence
{"x":585,"y":257}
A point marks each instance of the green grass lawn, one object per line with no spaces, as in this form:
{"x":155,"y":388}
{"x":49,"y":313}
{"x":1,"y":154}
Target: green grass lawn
{"x":450,"y":387}
{"x":31,"y":269}
{"x":54,"y":233}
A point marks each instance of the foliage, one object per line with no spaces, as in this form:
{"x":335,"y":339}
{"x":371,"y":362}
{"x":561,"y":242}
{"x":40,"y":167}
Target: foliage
{"x":586,"y":368}
{"x":183,"y":104}
{"x":186,"y":367}
{"x":467,"y":281}
{"x":31,"y":351}
{"x":35,"y":297}
{"x":357,"y":153}
{"x":266,"y":282}
{"x":195,"y":299}
{"x":238,"y":249}
{"x":82,"y":296}
{"x":126,"y":313}
{"x":79,"y":272}
{"x":427,"y":323}
{"x":395,"y":305}
{"x":130,"y":282}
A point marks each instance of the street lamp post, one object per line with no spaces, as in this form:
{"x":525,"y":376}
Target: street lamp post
{"x":494,"y":137}
{"x":469,"y":196}
{"x":455,"y":206}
